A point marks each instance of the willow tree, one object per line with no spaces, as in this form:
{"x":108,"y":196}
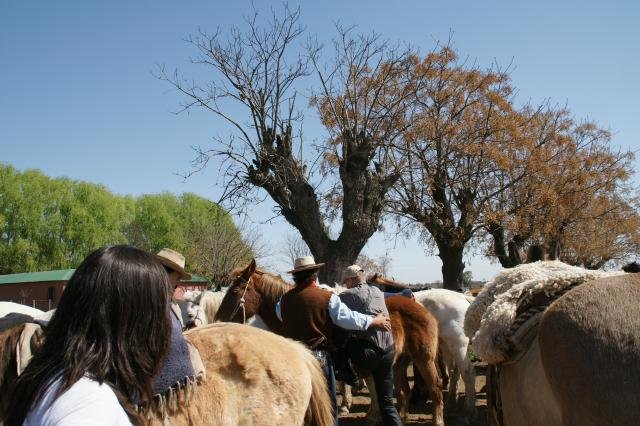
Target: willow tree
{"x":255,"y":88}
{"x":466,"y":133}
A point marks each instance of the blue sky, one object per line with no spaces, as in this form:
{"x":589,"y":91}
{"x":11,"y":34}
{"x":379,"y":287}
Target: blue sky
{"x":78,"y":99}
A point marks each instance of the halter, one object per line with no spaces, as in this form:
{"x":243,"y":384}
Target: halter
{"x":241,"y":301}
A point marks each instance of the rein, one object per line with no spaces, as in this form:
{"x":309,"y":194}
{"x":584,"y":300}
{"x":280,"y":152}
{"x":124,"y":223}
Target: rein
{"x":241,"y":302}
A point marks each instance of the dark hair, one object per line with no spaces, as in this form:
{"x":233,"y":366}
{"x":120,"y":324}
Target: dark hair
{"x":112,"y":324}
{"x":305,"y":277}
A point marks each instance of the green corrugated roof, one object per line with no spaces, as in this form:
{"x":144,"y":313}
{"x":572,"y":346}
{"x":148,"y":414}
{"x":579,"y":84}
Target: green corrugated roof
{"x":62,"y":275}
{"x":33,"y":277}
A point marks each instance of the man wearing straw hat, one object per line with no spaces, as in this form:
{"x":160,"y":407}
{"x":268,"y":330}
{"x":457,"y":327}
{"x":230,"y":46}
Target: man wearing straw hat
{"x":173,"y":263}
{"x":308,"y":314}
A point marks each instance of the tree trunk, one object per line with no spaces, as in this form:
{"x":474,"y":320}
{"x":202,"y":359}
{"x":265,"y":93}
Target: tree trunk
{"x":508,"y":255}
{"x":331,"y":273}
{"x":452,"y":267}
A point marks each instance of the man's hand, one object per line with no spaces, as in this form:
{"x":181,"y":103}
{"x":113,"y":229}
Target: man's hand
{"x":380,"y":321}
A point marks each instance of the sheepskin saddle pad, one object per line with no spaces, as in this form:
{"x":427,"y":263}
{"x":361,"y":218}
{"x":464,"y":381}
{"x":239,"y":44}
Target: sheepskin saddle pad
{"x":503,"y":319}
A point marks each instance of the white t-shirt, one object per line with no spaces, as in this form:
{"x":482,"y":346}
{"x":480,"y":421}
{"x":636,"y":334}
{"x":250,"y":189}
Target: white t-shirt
{"x":86,"y":402}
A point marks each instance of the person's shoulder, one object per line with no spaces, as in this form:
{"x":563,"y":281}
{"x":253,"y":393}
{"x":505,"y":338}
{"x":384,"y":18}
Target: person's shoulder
{"x":376,"y":290}
{"x":88,"y":402}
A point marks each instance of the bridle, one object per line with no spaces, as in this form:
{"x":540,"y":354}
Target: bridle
{"x":241,"y":301}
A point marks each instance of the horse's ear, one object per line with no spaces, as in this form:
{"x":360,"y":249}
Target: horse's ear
{"x":250,"y":269}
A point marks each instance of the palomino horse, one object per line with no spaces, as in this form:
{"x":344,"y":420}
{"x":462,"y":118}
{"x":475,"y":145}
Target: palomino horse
{"x":575,"y":363}
{"x":449,"y":308}
{"x":253,"y":377}
{"x":415,"y":331}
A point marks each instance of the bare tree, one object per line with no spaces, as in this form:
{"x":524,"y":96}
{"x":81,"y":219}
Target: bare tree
{"x":294,"y":247}
{"x":215,"y":247}
{"x":259,"y":71}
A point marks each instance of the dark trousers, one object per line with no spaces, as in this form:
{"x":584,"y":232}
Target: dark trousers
{"x":325,"y":360}
{"x":380,"y":363}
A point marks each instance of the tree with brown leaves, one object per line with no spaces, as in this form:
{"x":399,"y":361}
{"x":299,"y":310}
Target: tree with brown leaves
{"x":466,"y":133}
{"x":575,"y":203}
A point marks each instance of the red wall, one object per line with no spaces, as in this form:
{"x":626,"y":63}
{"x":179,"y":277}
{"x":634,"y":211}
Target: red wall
{"x":27,"y":293}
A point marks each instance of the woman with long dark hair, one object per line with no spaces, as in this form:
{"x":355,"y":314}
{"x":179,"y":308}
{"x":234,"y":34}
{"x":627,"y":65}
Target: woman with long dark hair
{"x":102,"y":347}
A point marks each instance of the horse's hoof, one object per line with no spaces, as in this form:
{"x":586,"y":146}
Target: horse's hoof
{"x":344,"y":410}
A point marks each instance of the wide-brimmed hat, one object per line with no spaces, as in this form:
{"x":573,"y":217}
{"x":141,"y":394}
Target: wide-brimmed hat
{"x":305,"y":263}
{"x":351,"y":272}
{"x":173,"y":260}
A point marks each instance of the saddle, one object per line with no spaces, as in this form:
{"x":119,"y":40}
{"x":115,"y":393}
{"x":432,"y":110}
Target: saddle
{"x":529,"y":310}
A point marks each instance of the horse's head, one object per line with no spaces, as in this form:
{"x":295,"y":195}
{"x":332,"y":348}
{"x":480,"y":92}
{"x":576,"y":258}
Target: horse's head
{"x":242,"y":300}
{"x":193,"y":315}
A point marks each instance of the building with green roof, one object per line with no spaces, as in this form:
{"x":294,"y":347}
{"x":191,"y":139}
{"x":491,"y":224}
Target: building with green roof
{"x":42,"y":290}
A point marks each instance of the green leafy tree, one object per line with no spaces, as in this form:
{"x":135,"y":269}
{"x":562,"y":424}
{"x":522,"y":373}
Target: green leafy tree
{"x":48,"y":223}
{"x":195,"y":226}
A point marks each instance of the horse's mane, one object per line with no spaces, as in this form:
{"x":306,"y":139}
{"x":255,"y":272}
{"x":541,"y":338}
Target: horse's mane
{"x":8,"y":341}
{"x":380,"y":280}
{"x":272,"y":287}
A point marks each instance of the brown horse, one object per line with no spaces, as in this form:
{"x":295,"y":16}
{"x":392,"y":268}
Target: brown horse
{"x":449,"y":309}
{"x":253,"y":377}
{"x":415,"y":330}
{"x":578,"y":364}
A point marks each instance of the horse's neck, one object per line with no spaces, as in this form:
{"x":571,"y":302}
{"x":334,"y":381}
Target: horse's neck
{"x":267,"y":309}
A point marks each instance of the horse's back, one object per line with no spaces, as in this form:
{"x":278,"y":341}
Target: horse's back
{"x":10,"y":307}
{"x":590,"y":348}
{"x":253,"y":377}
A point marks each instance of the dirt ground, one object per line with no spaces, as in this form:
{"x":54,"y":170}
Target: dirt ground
{"x":421,"y":414}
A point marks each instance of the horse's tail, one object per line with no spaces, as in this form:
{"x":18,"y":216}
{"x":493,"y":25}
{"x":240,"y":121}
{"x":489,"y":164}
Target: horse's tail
{"x":320,"y":410}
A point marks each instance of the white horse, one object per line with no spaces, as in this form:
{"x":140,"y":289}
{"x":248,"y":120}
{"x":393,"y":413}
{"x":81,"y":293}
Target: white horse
{"x":449,"y":308}
{"x":209,"y":301}
{"x":10,"y":307}
{"x":193,"y":315}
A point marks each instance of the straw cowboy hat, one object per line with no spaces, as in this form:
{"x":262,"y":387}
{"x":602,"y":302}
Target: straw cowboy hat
{"x":305,"y":263}
{"x":351,"y":272}
{"x":174,"y":260}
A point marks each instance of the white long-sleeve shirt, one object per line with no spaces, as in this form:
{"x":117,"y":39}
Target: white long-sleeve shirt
{"x":85,"y":403}
{"x":341,"y":315}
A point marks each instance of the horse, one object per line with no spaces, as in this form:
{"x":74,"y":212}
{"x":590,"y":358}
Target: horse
{"x":10,"y":307}
{"x":563,"y":344}
{"x":193,"y":315}
{"x":449,"y":308}
{"x":208,"y":300}
{"x":253,"y":377}
{"x":415,"y":331}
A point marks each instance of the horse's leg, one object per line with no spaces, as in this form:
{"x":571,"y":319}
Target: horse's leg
{"x":453,"y":375}
{"x":429,"y":371}
{"x":373,"y":415}
{"x":469,"y":376}
{"x":347,"y":398}
{"x":442,"y":366}
{"x":401,"y":383}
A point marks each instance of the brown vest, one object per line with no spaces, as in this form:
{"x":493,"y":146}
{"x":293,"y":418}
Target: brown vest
{"x":305,"y":316}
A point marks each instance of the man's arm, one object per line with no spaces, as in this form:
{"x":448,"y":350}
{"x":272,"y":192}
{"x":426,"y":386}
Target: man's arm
{"x":345,"y":318}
